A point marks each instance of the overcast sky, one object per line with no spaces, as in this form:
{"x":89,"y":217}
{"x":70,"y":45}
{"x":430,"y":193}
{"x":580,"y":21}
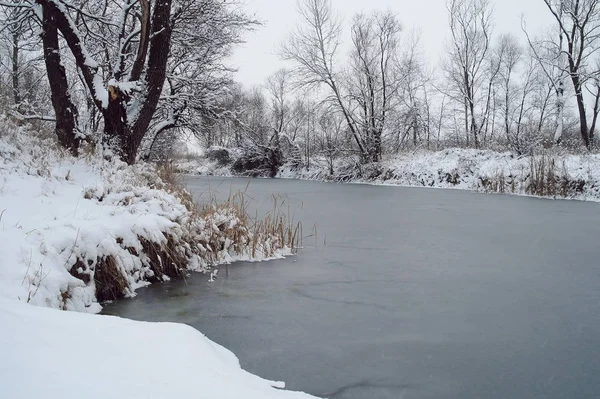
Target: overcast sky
{"x":257,"y":59}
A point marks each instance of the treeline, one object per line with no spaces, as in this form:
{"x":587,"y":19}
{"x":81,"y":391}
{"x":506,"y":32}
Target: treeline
{"x":113,"y":80}
{"x":493,"y":91}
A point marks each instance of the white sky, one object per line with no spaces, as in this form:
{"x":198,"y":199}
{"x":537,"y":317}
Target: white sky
{"x":256,"y":59}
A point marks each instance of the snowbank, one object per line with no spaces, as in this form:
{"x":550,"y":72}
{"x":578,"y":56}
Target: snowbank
{"x":75,"y":231}
{"x":47,"y":353}
{"x":552,"y":174}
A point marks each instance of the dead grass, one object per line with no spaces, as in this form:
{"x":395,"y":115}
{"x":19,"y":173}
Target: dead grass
{"x":263,"y":236}
{"x":172,"y":182}
{"x":109,"y":279}
{"x":547,"y":179}
{"x":494,"y":184}
{"x":544,"y":177}
{"x":164,"y":259}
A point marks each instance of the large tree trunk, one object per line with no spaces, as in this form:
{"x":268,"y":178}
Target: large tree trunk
{"x":117,"y":128}
{"x":65,"y":110}
{"x":155,"y":77}
{"x":15,"y":68}
{"x":583,"y":126}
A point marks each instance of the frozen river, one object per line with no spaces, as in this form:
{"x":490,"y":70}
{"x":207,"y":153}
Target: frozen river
{"x":406,"y":293}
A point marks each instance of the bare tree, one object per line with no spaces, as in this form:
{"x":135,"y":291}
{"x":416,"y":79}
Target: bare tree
{"x":509,"y":54}
{"x":313,"y":46}
{"x":373,"y":76}
{"x":197,"y":78}
{"x":471,"y":29}
{"x":144,"y":66}
{"x":549,"y":56}
{"x":579,"y":25}
{"x":279,"y":85}
{"x":331,"y":126}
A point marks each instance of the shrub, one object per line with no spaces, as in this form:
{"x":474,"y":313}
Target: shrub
{"x":220,"y":155}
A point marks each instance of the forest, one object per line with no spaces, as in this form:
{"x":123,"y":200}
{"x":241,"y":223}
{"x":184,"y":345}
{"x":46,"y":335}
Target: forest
{"x":141,"y":78}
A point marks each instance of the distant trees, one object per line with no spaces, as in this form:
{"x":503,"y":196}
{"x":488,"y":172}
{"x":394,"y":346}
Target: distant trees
{"x":373,"y":77}
{"x":363,"y":92}
{"x":411,"y":101}
{"x":381,"y":95}
{"x":138,"y":74}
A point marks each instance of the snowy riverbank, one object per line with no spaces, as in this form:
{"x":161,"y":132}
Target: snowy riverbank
{"x":75,"y":231}
{"x":552,"y":174}
{"x":48,"y":353}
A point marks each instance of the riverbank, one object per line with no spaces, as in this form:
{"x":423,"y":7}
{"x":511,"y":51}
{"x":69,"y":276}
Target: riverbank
{"x":78,"y":231}
{"x":553,"y":174}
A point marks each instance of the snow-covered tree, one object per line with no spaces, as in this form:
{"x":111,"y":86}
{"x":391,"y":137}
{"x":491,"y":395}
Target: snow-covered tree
{"x":145,"y":66}
{"x":467,"y":67}
{"x":578,"y":23}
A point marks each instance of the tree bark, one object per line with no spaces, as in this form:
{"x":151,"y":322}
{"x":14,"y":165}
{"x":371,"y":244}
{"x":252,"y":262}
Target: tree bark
{"x":15,"y":68}
{"x":583,"y":126}
{"x":65,"y":110}
{"x":155,"y":77}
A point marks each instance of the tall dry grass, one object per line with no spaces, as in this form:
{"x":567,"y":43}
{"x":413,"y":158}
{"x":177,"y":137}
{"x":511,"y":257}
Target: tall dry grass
{"x":262,"y":235}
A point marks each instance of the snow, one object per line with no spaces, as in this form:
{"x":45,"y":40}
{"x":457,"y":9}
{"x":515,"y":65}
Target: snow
{"x":125,"y":87}
{"x":55,"y":209}
{"x":48,"y":353}
{"x":101,"y":92}
{"x":470,"y":169}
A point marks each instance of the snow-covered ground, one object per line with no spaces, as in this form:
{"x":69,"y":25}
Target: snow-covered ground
{"x":47,"y":353}
{"x":68,"y":226}
{"x":553,"y":174}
